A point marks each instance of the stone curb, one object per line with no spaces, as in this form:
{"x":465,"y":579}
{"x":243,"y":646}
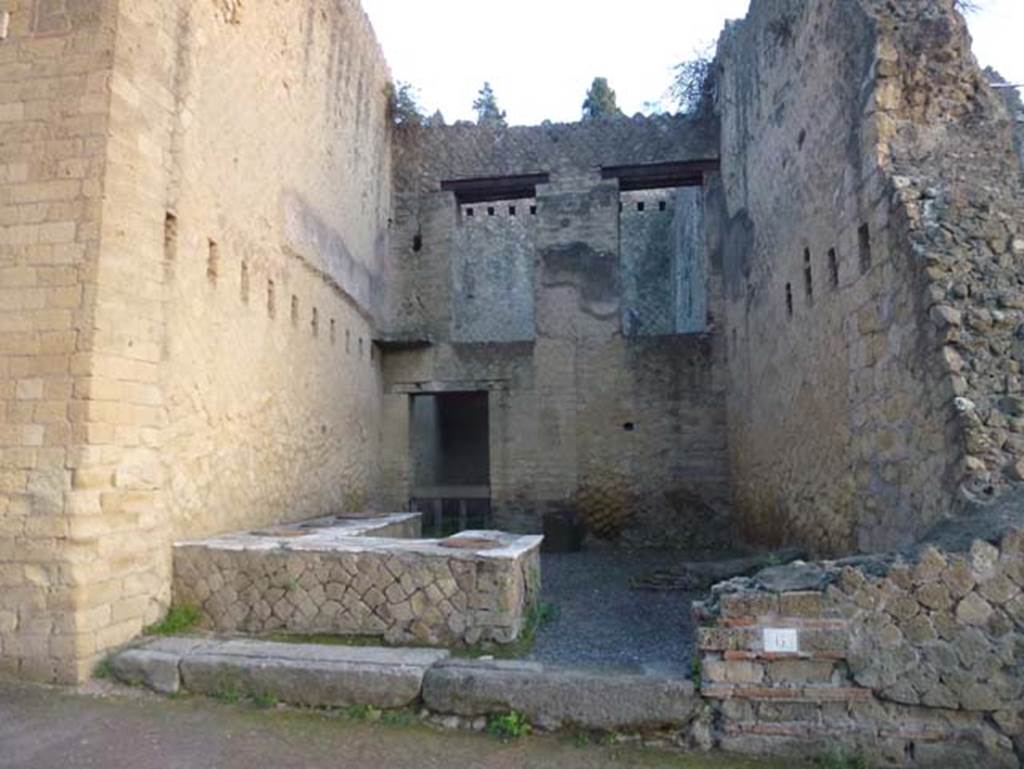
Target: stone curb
{"x":341,"y":676}
{"x":300,"y":674}
{"x":556,"y":697}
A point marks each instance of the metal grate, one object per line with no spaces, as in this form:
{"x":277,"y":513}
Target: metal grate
{"x":447,"y":510}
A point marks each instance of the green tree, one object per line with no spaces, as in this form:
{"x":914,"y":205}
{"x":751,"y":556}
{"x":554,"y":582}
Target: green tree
{"x":693,"y":84}
{"x":486,"y":107}
{"x":600,"y":101}
{"x":405,"y":106}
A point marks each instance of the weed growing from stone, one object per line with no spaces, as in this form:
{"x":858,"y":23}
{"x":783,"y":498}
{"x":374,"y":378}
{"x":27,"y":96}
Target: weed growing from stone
{"x":179,"y":619}
{"x":696,"y":671}
{"x":229,"y":696}
{"x":104,"y":669}
{"x":837,"y":758}
{"x":508,"y":726}
{"x":265,"y":700}
{"x":397,"y":717}
{"x":363,"y":713}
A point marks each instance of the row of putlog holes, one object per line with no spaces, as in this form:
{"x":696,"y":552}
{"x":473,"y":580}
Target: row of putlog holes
{"x":864,"y":247}
{"x":213,"y":270}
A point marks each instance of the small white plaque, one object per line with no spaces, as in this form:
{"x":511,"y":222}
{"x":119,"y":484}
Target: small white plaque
{"x":781,"y":641}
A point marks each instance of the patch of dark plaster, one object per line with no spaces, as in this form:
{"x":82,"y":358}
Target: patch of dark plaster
{"x":737,"y":245}
{"x":595,"y":273}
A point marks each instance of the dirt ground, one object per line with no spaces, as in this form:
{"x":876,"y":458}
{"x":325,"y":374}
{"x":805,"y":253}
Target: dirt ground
{"x":46,"y":728}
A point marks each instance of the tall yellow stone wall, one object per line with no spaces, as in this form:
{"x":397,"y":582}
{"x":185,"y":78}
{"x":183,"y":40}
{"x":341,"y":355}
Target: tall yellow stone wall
{"x":55,"y":70}
{"x":147,"y":394}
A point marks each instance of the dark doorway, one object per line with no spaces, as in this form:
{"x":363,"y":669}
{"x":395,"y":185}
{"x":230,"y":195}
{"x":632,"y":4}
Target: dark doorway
{"x":451,"y":461}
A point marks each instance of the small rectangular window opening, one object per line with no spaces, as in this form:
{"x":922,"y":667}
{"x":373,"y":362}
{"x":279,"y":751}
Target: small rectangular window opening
{"x":469,"y":211}
{"x":808,"y":277}
{"x":212,"y":261}
{"x":170,"y":237}
{"x":490,"y":210}
{"x":511,"y":210}
{"x":833,"y":267}
{"x":864,"y":241}
{"x":244,"y":283}
{"x":641,"y":206}
{"x":533,"y":210}
{"x":662,"y":205}
{"x":789,"y":300}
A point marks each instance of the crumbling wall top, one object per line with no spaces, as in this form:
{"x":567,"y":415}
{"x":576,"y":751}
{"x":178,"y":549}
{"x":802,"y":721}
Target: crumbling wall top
{"x":426,"y":155}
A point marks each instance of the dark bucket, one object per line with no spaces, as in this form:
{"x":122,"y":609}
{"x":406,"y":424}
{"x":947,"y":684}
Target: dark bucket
{"x":563,"y":532}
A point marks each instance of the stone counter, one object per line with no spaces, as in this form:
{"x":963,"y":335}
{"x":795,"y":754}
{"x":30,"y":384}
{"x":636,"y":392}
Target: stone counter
{"x":337,"y":577}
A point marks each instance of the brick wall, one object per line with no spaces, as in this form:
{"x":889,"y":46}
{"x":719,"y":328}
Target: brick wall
{"x":156,"y":183}
{"x":628,"y":430}
{"x":55,"y":75}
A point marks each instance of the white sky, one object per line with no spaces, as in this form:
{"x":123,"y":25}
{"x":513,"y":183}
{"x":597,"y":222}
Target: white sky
{"x":541,"y":55}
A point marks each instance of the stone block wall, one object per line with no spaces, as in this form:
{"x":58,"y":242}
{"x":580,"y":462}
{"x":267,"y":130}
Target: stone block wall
{"x":912,"y":661}
{"x":55,"y":73}
{"x":867,"y":270}
{"x":413,"y":591}
{"x":176,"y":178}
{"x":585,"y":414}
{"x":628,"y":430}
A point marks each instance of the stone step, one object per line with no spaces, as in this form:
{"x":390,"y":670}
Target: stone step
{"x":555,"y":697}
{"x":299,"y":674}
{"x":314,"y":675}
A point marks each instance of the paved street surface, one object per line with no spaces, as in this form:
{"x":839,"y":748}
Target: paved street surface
{"x":44,"y":728}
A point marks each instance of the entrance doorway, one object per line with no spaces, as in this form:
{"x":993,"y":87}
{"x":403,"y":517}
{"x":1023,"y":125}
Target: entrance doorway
{"x":450,"y":435}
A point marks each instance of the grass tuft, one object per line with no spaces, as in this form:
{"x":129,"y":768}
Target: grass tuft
{"x":838,"y":758}
{"x":179,"y":619}
{"x":508,"y":726}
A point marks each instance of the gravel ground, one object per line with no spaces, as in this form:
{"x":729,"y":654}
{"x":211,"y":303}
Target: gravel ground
{"x":601,"y":622}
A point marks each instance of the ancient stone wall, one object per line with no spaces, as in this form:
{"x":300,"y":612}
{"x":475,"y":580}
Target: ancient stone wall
{"x":55,"y":75}
{"x":426,"y":156}
{"x":946,"y":139}
{"x":912,"y":661}
{"x":533,"y":301}
{"x":199,"y":204}
{"x":278,"y":267}
{"x":843,"y":430}
{"x":401,"y":590}
{"x":627,"y":429}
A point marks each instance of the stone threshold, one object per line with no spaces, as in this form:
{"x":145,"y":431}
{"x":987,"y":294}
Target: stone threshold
{"x":311,"y":675}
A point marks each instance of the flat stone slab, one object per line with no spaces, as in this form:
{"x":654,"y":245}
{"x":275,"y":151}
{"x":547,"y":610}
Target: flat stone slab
{"x":554,"y":697}
{"x":317,"y":534}
{"x":300,"y":674}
